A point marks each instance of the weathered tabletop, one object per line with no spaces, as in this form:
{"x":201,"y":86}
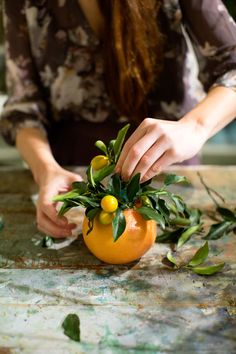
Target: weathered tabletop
{"x":143,"y":307}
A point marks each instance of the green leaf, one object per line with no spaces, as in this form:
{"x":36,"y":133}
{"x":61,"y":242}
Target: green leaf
{"x":199,"y":256}
{"x":146,"y":183}
{"x":90,"y":177}
{"x":133,"y":187}
{"x":187,"y":234}
{"x":85,"y":201}
{"x":218,"y":230}
{"x":178,"y":202}
{"x":111,"y":146}
{"x":120,"y":140}
{"x":118,"y":224}
{"x":180,"y":221}
{"x":1,"y":222}
{"x":226,"y":213}
{"x":169,"y":236}
{"x":208,"y":270}
{"x":170,"y":257}
{"x":162,"y":207}
{"x":100,"y":145}
{"x":69,"y":195}
{"x":103,"y":172}
{"x":47,"y":242}
{"x":91,"y":213}
{"x":66,"y":206}
{"x":194,"y":216}
{"x":171,"y":179}
{"x":116,"y":185}
{"x":151,"y":214}
{"x":71,"y":326}
{"x":80,"y":186}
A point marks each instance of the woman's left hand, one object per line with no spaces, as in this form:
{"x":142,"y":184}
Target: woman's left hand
{"x":156,"y":144}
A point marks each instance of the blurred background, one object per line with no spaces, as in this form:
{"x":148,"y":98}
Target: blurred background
{"x":221,"y":149}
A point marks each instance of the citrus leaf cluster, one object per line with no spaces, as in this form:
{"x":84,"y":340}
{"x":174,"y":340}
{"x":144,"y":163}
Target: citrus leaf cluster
{"x":178,"y":222}
{"x":196,"y":263}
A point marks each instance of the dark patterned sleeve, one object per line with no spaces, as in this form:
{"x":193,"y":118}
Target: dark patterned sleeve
{"x":213,"y":32}
{"x":25,"y":106}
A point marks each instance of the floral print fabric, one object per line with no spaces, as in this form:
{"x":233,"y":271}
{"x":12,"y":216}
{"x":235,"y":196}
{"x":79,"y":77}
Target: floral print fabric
{"x":55,"y":66}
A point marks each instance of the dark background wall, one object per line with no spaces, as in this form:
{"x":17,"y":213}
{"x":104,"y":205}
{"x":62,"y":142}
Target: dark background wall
{"x":231,"y":5}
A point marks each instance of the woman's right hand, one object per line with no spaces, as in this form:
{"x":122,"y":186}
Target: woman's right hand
{"x":56,"y":180}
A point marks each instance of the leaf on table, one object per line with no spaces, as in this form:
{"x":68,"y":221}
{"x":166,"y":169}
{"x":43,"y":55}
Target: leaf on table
{"x":218,"y":230}
{"x":171,"y":258}
{"x":199,"y":256}
{"x":48,"y":241}
{"x":71,"y":326}
{"x":208,"y":270}
{"x":186,"y":235}
{"x":167,"y":263}
{"x":226,"y":213}
{"x":1,"y":222}
{"x":169,"y":236}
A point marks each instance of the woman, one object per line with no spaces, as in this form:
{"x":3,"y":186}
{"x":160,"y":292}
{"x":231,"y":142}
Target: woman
{"x":78,"y":69}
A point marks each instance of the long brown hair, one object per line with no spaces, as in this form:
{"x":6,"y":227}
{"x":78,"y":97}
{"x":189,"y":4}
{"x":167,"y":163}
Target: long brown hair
{"x":132,"y":45}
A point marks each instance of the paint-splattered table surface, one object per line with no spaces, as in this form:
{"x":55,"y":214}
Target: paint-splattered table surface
{"x":139,"y":308}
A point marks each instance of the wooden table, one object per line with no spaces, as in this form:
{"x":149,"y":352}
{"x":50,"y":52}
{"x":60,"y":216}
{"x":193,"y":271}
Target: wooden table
{"x":139,"y":308}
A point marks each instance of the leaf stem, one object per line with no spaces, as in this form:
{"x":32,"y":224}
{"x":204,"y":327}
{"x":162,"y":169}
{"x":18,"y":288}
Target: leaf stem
{"x":211,"y":191}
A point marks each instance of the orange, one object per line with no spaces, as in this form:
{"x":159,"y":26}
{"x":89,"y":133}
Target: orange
{"x":109,"y":203}
{"x":105,"y":218}
{"x":99,"y":162}
{"x":138,"y":237}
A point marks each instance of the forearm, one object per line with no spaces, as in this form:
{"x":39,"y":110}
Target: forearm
{"x":214,"y":112}
{"x":35,"y":150}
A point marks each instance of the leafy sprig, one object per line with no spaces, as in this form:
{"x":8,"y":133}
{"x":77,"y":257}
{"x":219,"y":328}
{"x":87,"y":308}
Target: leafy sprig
{"x":227,"y":216}
{"x":161,"y":205}
{"x":178,"y":222}
{"x":196,"y":263}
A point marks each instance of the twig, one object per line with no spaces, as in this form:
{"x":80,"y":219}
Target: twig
{"x":211,"y":191}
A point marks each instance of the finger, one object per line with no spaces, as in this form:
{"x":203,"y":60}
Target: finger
{"x":47,"y":226}
{"x":136,"y":153}
{"x":136,"y":136}
{"x":164,"y":161}
{"x":49,"y":208}
{"x":151,"y":157}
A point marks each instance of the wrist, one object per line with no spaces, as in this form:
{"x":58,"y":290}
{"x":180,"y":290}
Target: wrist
{"x":36,"y":151}
{"x":198,"y":125}
{"x":44,"y":170}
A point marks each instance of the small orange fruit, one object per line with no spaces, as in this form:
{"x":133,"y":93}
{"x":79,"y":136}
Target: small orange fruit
{"x":99,"y":162}
{"x":138,"y":237}
{"x":105,"y":218}
{"x":109,"y":203}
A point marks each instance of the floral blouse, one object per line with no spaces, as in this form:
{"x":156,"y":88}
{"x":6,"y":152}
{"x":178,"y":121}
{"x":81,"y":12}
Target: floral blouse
{"x":55,"y":66}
